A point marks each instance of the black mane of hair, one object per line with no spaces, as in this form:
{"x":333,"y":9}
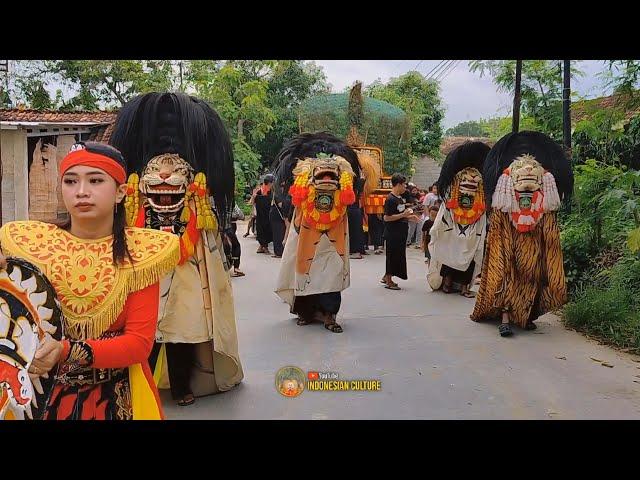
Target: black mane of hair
{"x":310,"y":145}
{"x":156,"y":123}
{"x":547,"y":152}
{"x":469,"y":154}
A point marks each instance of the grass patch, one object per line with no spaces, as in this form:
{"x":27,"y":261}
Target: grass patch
{"x":610,"y":310}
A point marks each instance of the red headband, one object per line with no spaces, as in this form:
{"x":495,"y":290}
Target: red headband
{"x":89,"y":159}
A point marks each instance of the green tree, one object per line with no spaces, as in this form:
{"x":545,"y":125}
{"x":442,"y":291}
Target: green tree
{"x":27,"y":84}
{"x":35,"y":93}
{"x":5,"y":98}
{"x":111,"y":83}
{"x":498,"y":127}
{"x":541,"y":88}
{"x":470,"y":128}
{"x":624,"y":77}
{"x":420,"y":98}
{"x":238,"y":92}
{"x":289,"y":83}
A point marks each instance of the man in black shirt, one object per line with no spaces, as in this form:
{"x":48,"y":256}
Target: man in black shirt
{"x":279,"y":218}
{"x":261,"y":198}
{"x":396,"y":227}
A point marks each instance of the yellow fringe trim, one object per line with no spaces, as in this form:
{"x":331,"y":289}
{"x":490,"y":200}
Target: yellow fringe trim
{"x":156,"y":254}
{"x":92,"y":326}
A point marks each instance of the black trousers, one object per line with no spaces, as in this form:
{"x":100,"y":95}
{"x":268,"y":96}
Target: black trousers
{"x":307,"y":305}
{"x":278,"y":228}
{"x":396,"y":251}
{"x":356,"y":234}
{"x":263,"y":225}
{"x":458,"y":276}
{"x":236,"y":250}
{"x":376,"y":230}
{"x":180,"y":361}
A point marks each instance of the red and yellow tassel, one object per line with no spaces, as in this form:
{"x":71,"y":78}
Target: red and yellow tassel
{"x":132,"y":200}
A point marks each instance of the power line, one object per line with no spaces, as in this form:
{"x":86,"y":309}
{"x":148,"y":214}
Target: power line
{"x":451,"y":69}
{"x":435,"y":68}
{"x":444,"y":71}
{"x":438,"y":69}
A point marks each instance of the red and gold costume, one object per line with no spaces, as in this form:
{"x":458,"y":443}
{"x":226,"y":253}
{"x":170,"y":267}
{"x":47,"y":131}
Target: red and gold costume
{"x":110,"y":315}
{"x":319,"y":170}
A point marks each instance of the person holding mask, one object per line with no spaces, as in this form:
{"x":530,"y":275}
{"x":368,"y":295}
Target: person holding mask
{"x":106,"y":278}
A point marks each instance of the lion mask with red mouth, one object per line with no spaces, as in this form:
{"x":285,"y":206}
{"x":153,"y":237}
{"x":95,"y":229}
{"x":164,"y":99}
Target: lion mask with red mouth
{"x":527,"y":174}
{"x":460,"y":182}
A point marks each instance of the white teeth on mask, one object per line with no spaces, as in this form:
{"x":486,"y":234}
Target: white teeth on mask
{"x":16,"y":276}
{"x":30,"y":285}
{"x":38,"y":299}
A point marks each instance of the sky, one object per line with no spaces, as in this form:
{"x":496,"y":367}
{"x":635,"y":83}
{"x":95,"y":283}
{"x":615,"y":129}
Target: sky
{"x":466,"y":96}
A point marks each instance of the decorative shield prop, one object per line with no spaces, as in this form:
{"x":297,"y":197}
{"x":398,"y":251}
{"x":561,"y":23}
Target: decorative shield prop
{"x":29,"y":311}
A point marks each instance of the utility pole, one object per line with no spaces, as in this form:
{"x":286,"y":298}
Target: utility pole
{"x":515,"y":126}
{"x":566,"y":107}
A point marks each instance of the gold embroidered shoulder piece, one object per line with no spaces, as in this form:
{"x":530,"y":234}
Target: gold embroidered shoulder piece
{"x":91,"y":290}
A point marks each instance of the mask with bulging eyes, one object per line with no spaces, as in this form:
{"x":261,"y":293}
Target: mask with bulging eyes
{"x":165,"y":181}
{"x":526,"y":174}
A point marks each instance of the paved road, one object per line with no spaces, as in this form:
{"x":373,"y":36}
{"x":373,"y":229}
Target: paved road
{"x":433,"y":362}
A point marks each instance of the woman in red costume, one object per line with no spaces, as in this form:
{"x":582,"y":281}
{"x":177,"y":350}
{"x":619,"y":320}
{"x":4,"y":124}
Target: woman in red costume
{"x":106,"y":278}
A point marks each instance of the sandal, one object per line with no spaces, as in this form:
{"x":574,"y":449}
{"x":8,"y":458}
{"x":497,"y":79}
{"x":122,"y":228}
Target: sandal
{"x":446,"y":289}
{"x":187,"y":400}
{"x":333,"y":327}
{"x":238,"y":273}
{"x":505,"y":330}
{"x":392,"y":286}
{"x":468,"y":294}
{"x":303,"y":321}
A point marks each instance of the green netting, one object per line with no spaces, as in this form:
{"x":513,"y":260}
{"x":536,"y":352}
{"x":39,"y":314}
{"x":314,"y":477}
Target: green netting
{"x":340,"y":101}
{"x":384,"y":125}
